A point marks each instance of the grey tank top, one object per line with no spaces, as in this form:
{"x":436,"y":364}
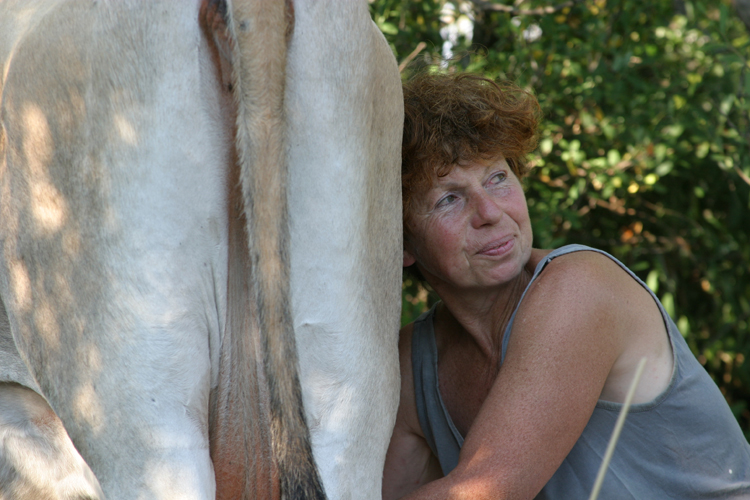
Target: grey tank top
{"x":685,"y":444}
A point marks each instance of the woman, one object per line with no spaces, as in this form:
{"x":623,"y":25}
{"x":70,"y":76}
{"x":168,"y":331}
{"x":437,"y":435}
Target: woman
{"x":530,"y":352}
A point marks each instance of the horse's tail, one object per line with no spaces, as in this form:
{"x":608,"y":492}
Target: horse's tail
{"x":260,"y":441}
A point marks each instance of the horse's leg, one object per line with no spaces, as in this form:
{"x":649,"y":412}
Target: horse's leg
{"x":37,"y":458}
{"x":345,"y":116}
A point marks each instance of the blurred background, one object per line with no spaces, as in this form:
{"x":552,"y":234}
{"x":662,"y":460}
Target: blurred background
{"x":643,"y":150}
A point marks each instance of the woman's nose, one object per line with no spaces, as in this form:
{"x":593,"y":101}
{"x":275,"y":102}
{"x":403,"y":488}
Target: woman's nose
{"x":487,"y":210}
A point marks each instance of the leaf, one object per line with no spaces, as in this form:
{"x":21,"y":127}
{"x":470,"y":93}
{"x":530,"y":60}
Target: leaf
{"x":664,"y":168}
{"x":673,"y":131}
{"x":667,"y":300}
{"x":388,"y":28}
{"x":653,"y":280}
{"x":613,"y":157}
{"x":726,"y":104}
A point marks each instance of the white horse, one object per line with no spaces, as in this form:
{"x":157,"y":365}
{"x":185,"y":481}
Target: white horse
{"x":155,"y":280}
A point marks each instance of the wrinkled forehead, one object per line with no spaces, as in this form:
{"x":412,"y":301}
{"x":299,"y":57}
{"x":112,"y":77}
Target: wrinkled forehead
{"x":444,"y":175}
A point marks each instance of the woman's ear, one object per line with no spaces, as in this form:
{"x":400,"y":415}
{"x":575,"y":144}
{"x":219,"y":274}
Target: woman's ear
{"x":409,"y":254}
{"x":408,"y":258}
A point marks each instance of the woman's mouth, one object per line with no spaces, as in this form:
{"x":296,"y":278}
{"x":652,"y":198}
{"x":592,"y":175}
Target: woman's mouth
{"x":497,"y":247}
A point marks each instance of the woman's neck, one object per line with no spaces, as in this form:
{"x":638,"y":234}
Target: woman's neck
{"x":482,"y":314}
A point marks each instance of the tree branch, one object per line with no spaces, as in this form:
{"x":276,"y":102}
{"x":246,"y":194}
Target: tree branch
{"x":742,"y":175}
{"x":414,"y":53}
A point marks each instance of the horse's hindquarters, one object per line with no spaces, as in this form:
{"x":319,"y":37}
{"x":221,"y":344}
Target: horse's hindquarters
{"x":113,"y":228}
{"x":345,"y":116}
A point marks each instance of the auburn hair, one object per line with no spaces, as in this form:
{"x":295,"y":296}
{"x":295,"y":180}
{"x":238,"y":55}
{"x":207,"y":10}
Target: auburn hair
{"x":450,"y":120}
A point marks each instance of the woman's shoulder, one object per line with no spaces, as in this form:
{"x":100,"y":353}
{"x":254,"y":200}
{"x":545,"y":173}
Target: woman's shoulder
{"x":586,"y":287}
{"x":579,"y":271}
{"x":570,"y":258}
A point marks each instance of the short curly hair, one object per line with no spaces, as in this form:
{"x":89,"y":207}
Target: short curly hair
{"x":453,"y":119}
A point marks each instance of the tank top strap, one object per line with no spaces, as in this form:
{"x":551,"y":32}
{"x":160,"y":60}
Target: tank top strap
{"x":439,"y":431}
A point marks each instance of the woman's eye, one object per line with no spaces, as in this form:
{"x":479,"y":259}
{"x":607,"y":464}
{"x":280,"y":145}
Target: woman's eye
{"x":447,"y":200}
{"x":498,"y":178}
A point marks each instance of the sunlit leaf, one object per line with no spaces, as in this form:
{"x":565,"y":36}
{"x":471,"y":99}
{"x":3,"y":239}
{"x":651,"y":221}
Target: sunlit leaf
{"x":652,"y":281}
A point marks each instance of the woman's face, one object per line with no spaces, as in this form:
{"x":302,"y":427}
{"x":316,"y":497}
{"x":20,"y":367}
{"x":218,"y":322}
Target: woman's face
{"x":471,"y":229}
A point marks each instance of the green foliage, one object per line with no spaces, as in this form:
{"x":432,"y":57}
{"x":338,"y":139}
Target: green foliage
{"x":644,"y":149}
{"x":405,"y":23}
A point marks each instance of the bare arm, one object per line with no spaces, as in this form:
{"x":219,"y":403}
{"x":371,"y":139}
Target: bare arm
{"x":568,"y":334}
{"x":409,"y":464}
